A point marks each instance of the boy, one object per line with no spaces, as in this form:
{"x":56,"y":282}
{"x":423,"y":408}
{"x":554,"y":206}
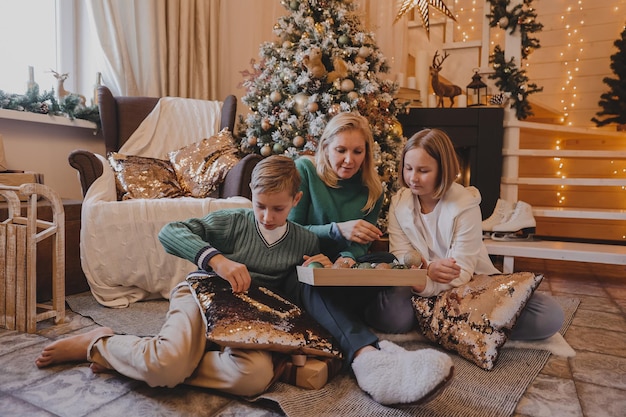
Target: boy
{"x":271,"y":248}
{"x":222,"y":241}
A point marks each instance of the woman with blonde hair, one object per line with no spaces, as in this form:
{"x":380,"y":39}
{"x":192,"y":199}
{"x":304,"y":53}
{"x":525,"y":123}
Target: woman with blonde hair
{"x":342,"y":192}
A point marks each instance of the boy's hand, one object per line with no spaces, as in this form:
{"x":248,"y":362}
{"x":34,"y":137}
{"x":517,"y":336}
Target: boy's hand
{"x":235,"y":273}
{"x":323,"y":259}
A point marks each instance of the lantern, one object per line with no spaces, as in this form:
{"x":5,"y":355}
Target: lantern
{"x":476,"y":91}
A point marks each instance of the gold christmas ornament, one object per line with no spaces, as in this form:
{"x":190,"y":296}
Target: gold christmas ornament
{"x":313,"y":107}
{"x":266,"y":150}
{"x":365,"y":51}
{"x":353,"y":95}
{"x":396,"y":128}
{"x":275,"y":96}
{"x":298,"y":141}
{"x":301,"y":100}
{"x":347,"y":85}
{"x":252,"y":140}
{"x":265,"y":124}
{"x":422,"y":8}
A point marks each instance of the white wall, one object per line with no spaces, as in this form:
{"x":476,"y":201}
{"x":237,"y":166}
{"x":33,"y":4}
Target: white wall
{"x":44,"y":148}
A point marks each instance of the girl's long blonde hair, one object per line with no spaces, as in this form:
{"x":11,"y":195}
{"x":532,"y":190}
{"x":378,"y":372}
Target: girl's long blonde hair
{"x":342,"y":122}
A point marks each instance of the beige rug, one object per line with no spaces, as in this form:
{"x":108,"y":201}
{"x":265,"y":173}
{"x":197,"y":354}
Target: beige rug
{"x":473,"y":391}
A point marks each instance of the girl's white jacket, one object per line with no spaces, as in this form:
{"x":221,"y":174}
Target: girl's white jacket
{"x":459,"y":224}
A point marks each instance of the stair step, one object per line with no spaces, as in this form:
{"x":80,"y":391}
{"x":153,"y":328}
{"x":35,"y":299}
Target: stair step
{"x":580,"y":213}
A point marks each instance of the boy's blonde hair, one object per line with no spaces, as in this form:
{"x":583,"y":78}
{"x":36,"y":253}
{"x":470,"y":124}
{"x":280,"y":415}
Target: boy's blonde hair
{"x":438,"y":145}
{"x":342,"y":122}
{"x":275,"y":174}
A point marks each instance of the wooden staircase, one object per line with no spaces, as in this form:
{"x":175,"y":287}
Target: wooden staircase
{"x":575,"y":180}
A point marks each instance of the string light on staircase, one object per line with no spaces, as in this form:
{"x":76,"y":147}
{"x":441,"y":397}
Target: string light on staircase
{"x":468,"y":20}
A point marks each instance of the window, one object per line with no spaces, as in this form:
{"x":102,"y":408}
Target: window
{"x":28,"y":34}
{"x":46,"y":35}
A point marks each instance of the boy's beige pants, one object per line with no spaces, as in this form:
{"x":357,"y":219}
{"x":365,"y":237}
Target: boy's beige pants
{"x":177,"y":354}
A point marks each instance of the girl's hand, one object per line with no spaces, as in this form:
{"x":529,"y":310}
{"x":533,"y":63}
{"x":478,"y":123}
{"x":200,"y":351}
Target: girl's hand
{"x":359,"y":231}
{"x":235,"y":273}
{"x":443,"y":270}
{"x":323,"y":259}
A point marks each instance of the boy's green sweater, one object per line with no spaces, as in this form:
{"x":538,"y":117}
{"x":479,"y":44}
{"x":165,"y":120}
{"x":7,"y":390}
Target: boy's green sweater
{"x":234,"y":234}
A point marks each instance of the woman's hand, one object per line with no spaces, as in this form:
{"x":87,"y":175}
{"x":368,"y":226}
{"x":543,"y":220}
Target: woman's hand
{"x":344,"y":263}
{"x":235,"y":273}
{"x":359,"y":231}
{"x":443,"y":270}
{"x":323,"y":259}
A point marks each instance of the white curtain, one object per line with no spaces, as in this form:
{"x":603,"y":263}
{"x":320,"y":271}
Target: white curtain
{"x":132,"y":45}
{"x":158,"y":47}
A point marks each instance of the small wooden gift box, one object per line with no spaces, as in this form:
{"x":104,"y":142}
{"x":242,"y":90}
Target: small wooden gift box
{"x":313,"y":374}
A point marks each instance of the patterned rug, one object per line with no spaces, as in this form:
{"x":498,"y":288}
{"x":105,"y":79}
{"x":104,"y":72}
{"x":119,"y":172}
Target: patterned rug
{"x":473,"y":391}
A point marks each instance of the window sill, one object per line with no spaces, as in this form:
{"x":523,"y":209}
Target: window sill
{"x":45,"y":118}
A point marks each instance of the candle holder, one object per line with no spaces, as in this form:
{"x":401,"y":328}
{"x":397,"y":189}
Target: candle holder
{"x":477,"y":90}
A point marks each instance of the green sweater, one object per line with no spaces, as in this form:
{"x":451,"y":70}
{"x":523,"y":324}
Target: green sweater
{"x":322,"y":206}
{"x":234,"y":234}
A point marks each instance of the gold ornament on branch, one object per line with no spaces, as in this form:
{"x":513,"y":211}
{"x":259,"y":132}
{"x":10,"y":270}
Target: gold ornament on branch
{"x":422,"y":8}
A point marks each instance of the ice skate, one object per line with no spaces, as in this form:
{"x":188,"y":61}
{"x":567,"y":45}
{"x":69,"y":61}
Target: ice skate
{"x":501,"y":214}
{"x":520,"y":226}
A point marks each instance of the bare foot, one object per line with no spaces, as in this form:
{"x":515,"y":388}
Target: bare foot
{"x":70,"y":349}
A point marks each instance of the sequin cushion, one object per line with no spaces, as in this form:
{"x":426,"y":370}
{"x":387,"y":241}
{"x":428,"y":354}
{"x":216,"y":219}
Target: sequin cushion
{"x":258,"y":319}
{"x":202,"y":166}
{"x":475,"y":319}
{"x":142,"y":177}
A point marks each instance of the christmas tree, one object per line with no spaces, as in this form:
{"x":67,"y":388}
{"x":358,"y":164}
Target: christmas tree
{"x":613,"y":102}
{"x":323,"y":62}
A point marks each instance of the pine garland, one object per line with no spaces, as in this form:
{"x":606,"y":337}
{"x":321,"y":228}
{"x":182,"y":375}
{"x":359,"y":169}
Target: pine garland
{"x":522,"y":16}
{"x":511,"y":79}
{"x":508,"y":77}
{"x":46,"y":103}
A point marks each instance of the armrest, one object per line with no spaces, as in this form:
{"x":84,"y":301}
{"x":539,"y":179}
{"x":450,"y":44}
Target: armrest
{"x":88,"y":166}
{"x":237,"y":181}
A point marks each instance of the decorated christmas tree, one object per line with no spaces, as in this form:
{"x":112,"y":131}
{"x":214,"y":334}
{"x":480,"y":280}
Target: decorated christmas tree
{"x":613,"y":102}
{"x":323,"y":62}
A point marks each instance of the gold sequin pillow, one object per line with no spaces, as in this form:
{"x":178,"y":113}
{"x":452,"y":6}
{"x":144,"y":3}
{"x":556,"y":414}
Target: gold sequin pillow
{"x":143,"y":177}
{"x":258,"y":319}
{"x":475,"y":319}
{"x":202,"y":166}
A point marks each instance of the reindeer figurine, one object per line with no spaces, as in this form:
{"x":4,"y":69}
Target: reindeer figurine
{"x":61,"y":91}
{"x":441,"y":88}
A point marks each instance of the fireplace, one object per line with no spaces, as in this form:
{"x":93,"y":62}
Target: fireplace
{"x":477,"y":136}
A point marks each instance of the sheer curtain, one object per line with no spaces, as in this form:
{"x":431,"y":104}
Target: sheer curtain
{"x":158,"y":47}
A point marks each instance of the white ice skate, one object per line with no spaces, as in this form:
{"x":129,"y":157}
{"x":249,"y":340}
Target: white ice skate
{"x":520,"y":226}
{"x":501,"y":214}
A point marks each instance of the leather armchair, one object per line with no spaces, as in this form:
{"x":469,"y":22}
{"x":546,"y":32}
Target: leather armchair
{"x":121,"y":255}
{"x":120,"y":117}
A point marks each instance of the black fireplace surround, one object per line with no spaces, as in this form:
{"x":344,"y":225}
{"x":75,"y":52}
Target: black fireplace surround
{"x":477,"y":134}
